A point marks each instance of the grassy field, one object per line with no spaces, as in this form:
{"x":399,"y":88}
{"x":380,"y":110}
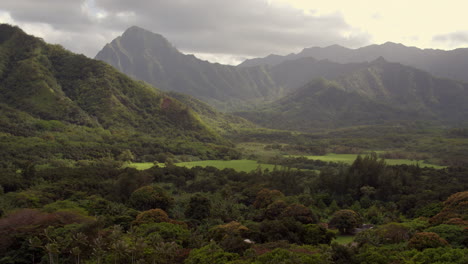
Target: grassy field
{"x":238,"y":165}
{"x":349,"y":158}
{"x":250,"y":165}
{"x":143,"y":165}
{"x":340,"y":239}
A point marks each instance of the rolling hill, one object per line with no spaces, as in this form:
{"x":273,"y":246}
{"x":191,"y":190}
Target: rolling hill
{"x":367,"y":94}
{"x":56,"y":104}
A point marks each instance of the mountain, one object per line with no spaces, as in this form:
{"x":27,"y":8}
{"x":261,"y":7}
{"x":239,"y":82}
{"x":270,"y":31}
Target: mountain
{"x":293,"y":74}
{"x":451,"y":64}
{"x":54,"y":103}
{"x":151,"y":58}
{"x":368,"y":94}
{"x":362,"y":92}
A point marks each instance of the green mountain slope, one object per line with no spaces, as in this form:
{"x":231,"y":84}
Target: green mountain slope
{"x":410,"y":89}
{"x":369,"y":94}
{"x":150,"y":57}
{"x":79,"y":108}
{"x":223,"y":124}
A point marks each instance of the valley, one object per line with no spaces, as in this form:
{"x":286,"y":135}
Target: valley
{"x":328,"y":156}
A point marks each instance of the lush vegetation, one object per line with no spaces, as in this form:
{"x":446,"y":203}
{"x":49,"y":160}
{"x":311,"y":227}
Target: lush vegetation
{"x":98,"y":168}
{"x":58,"y":105}
{"x":238,"y":165}
{"x":409,"y":141}
{"x":349,"y":158}
{"x":96,"y":213}
{"x":367,"y":94}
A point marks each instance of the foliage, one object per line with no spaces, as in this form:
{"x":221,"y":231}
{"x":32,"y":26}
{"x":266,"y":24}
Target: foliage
{"x":198,"y":208}
{"x":316,"y":234}
{"x":152,"y":216}
{"x":58,"y":105}
{"x":456,"y":206}
{"x":439,"y":255}
{"x":345,"y":221}
{"x":457,"y":236}
{"x":299,"y":256}
{"x":149,"y":197}
{"x":210,"y":254}
{"x":425,"y":240}
{"x":265,"y":197}
{"x":168,"y":232}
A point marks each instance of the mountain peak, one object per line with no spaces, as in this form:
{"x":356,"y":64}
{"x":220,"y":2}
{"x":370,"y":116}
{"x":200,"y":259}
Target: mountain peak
{"x":150,"y":57}
{"x":135,"y":32}
{"x":389,"y":43}
{"x":139,"y":30}
{"x":135,"y":28}
{"x":135,"y":40}
{"x":335,"y":46}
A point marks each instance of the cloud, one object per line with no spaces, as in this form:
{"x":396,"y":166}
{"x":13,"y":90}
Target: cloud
{"x":234,"y":29}
{"x":453,"y":39}
{"x":241,"y":27}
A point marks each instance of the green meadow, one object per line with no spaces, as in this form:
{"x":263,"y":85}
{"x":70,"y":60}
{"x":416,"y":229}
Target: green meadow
{"x":143,"y":165}
{"x":349,"y":159}
{"x":238,"y":165}
{"x":343,"y":240}
{"x":250,"y":165}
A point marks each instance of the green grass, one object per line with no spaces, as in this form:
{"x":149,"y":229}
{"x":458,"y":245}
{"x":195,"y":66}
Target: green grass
{"x":143,"y":165}
{"x":250,"y":165}
{"x":349,"y":159}
{"x":340,"y":239}
{"x":238,"y":165}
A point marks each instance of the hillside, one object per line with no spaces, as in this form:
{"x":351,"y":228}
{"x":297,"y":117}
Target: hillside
{"x":150,"y":57}
{"x":372,"y":93}
{"x":223,"y":124}
{"x":55,"y":104}
{"x":451,"y":64}
{"x":293,"y":74}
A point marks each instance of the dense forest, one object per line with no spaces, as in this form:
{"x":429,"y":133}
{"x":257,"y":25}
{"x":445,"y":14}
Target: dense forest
{"x":98,"y":213}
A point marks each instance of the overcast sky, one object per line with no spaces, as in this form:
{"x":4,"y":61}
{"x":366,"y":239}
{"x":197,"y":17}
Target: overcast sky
{"x":228,"y":31}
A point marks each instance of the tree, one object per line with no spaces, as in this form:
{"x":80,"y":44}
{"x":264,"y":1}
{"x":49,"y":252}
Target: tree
{"x":275,"y":209}
{"x":126,"y":156}
{"x":230,"y":229}
{"x":456,"y":206}
{"x":300,"y":213}
{"x":316,"y":234}
{"x":455,"y":235}
{"x":266,"y":196}
{"x":425,"y":240}
{"x":198,"y":208}
{"x":210,"y":254}
{"x":393,"y":233}
{"x":300,"y":255}
{"x":152,"y":216}
{"x":345,"y":221}
{"x":149,"y":197}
